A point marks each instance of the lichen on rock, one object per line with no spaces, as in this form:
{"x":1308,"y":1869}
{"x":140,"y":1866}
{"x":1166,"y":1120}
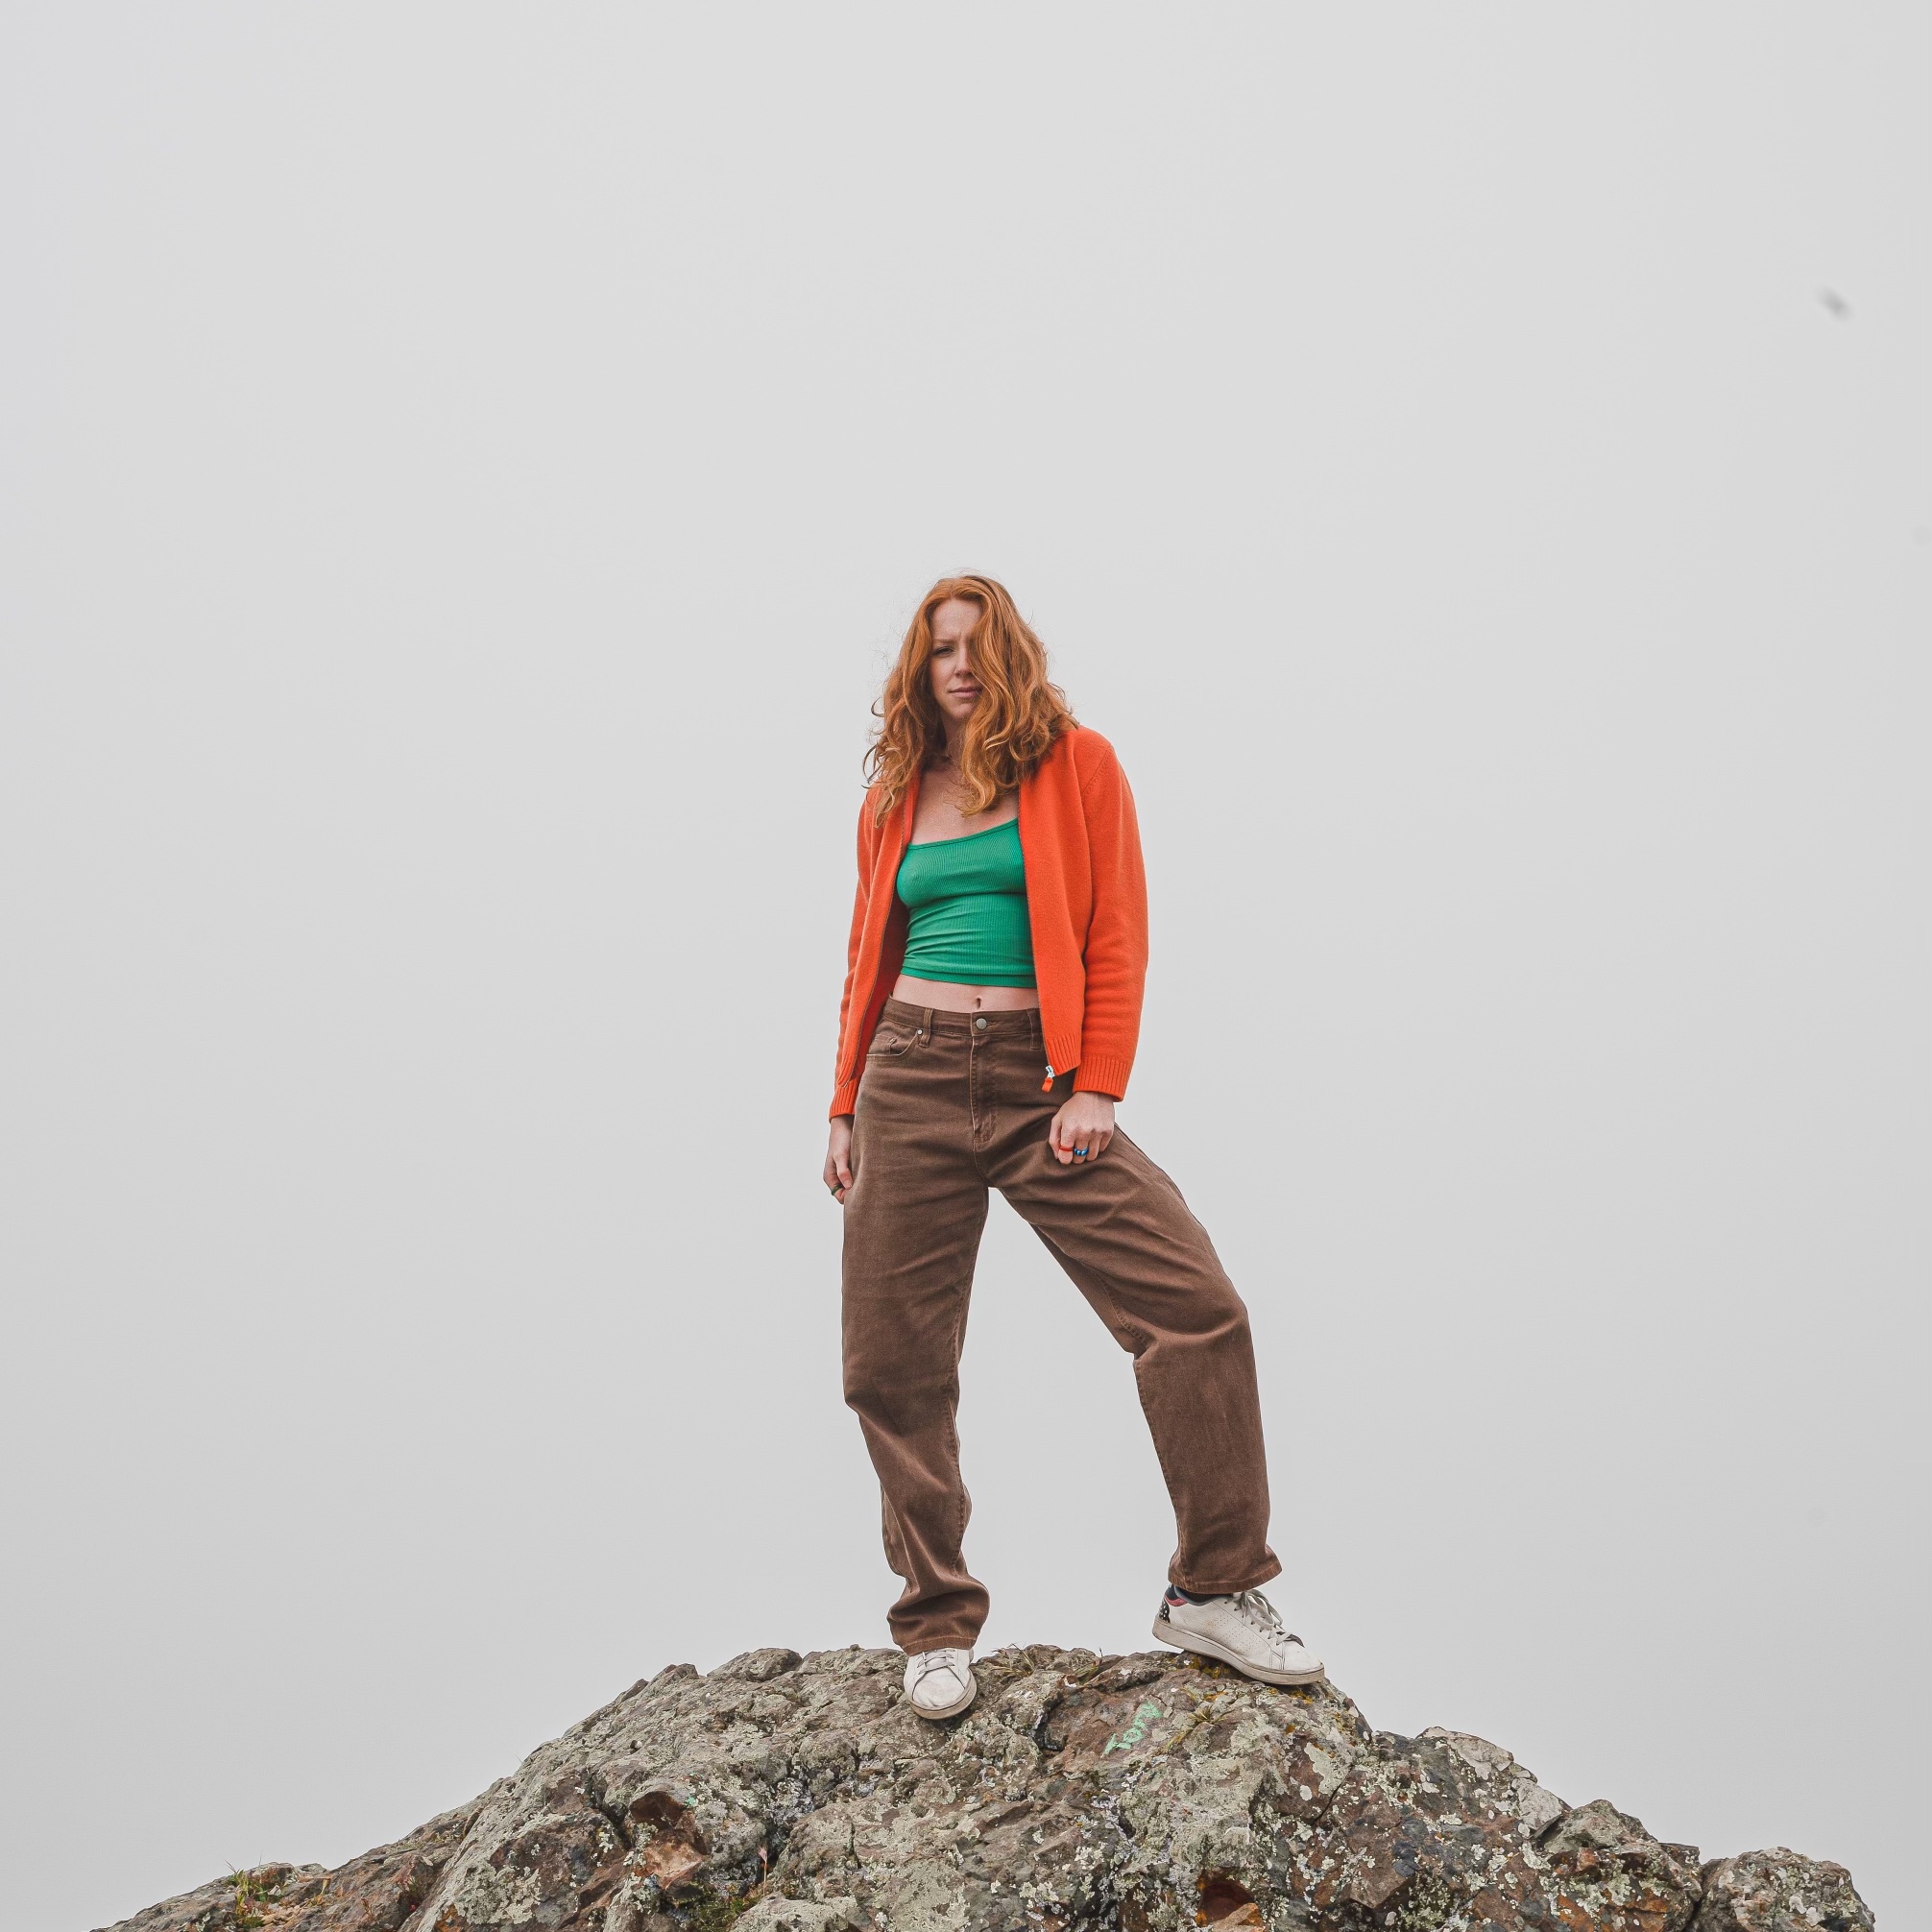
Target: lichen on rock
{"x":1781,"y":1891}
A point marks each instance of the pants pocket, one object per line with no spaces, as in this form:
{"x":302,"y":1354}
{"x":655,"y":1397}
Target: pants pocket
{"x":893,"y":1040}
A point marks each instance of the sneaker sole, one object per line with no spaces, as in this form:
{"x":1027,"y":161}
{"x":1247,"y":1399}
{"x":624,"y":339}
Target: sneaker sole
{"x":951,"y":1709}
{"x":1206,"y":1646}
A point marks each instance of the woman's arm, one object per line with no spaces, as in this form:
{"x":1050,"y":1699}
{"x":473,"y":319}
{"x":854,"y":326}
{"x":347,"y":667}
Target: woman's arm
{"x":838,"y":1146}
{"x":867,"y":836}
{"x":1115,"y":958}
{"x":838,"y":1157}
{"x":1117,"y":935}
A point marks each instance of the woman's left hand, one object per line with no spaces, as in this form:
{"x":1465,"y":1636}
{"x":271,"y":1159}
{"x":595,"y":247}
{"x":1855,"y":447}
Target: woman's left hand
{"x":1082,"y":1128}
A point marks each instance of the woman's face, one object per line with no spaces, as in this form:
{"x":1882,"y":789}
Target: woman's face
{"x":954,"y":689}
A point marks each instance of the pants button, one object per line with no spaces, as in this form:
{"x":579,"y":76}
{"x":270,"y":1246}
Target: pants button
{"x":981,"y":1023}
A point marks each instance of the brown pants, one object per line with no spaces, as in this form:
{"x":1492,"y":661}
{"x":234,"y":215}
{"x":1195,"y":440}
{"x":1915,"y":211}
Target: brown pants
{"x":951,"y":1104}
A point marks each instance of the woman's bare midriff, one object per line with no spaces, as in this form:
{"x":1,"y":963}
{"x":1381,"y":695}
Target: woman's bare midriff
{"x":948,"y":997}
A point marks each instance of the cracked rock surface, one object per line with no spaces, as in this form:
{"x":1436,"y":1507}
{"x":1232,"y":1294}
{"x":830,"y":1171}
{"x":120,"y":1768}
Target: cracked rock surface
{"x":1145,"y":1792}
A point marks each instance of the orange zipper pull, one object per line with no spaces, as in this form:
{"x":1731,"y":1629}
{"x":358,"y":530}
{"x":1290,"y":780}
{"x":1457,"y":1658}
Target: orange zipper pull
{"x":1047,"y":1085}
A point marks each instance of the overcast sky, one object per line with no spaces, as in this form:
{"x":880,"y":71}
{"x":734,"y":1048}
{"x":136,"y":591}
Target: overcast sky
{"x":462,"y":473}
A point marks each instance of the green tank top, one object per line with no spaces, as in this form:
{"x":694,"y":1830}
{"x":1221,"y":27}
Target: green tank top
{"x":967,"y":901}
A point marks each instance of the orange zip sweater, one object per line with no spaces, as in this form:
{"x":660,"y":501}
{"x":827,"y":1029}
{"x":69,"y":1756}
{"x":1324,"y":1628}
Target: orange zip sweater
{"x":1086,"y":903}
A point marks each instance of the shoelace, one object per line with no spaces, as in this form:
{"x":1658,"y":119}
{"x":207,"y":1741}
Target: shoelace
{"x":929,"y":1662}
{"x":1256,"y":1609}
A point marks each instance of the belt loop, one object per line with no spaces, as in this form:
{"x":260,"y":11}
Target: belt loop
{"x":926,"y":1022}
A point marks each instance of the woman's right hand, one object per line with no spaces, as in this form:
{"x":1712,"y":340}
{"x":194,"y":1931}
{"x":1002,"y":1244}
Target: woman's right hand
{"x":838,"y":1158}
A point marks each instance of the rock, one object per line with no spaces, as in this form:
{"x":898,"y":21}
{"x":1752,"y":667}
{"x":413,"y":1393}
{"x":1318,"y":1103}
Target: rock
{"x":379,"y":1892}
{"x":1781,"y":1891}
{"x":802,"y":1915}
{"x":1449,"y":1829}
{"x":1147,"y":1793}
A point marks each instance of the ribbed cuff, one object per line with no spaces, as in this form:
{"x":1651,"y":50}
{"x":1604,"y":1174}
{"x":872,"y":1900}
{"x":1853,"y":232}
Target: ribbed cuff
{"x":1102,"y":1074}
{"x":845,"y":1100}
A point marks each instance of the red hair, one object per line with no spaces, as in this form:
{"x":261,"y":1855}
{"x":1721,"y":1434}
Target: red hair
{"x":1013,"y":726}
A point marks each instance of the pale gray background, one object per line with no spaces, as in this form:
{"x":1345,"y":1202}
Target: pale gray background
{"x":465,"y":469}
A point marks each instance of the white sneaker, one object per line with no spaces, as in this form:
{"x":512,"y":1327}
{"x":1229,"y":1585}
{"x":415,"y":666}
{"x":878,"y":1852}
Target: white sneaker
{"x":940,"y":1683}
{"x":1243,"y":1630}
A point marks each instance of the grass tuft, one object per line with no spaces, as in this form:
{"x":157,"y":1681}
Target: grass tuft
{"x":254,"y":1891}
{"x":713,"y":1911}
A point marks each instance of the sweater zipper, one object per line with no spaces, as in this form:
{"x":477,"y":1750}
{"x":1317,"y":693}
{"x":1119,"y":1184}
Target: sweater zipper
{"x":1047,"y":1085}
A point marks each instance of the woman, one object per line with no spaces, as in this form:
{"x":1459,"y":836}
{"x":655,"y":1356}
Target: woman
{"x":992,"y":1006}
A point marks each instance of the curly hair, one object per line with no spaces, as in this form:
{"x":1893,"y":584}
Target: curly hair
{"x":1013,"y":726}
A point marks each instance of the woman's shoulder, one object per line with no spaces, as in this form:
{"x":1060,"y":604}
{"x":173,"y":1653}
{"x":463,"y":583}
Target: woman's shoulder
{"x":870,"y":830}
{"x":1084,"y":752}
